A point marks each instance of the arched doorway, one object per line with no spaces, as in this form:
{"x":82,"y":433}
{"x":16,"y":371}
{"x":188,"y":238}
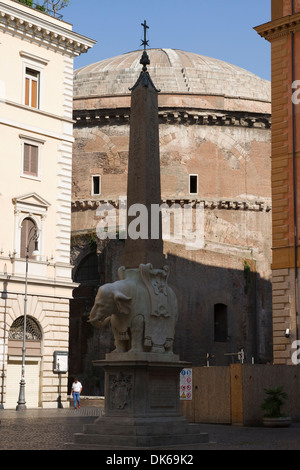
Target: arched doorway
{"x":32,"y":362}
{"x":88,"y":269}
{"x":27,"y":230}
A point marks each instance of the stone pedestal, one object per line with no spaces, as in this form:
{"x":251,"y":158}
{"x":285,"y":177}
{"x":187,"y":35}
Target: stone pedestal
{"x":142,"y":406}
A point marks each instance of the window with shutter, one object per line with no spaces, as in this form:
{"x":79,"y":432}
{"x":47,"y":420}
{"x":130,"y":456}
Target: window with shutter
{"x":32,"y":79}
{"x":27,"y":91}
{"x":27,"y":232}
{"x":30,"y":159}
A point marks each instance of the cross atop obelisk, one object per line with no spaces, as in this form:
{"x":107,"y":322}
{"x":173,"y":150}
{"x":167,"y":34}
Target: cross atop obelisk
{"x":144,"y":233}
{"x":145,"y":41}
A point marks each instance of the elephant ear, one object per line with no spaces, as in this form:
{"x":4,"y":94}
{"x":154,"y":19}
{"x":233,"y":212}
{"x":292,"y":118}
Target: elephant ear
{"x":123,"y":303}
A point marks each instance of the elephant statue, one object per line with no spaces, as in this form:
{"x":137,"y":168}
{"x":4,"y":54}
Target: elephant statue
{"x":141,"y":308}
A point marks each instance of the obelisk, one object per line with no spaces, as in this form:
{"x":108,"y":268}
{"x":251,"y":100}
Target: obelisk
{"x":141,"y":305}
{"x":142,"y":406}
{"x":144,"y":240}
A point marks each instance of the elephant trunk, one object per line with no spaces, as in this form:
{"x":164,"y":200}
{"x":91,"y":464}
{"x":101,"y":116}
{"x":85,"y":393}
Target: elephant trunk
{"x":97,"y":323}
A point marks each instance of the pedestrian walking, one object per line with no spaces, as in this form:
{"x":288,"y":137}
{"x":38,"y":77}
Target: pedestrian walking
{"x":76,"y":391}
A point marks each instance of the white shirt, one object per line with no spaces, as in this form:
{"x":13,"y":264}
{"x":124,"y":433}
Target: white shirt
{"x":76,"y":387}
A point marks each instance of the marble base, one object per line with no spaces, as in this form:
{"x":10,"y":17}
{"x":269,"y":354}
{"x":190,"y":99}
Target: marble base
{"x":138,"y":433}
{"x":142,"y":407}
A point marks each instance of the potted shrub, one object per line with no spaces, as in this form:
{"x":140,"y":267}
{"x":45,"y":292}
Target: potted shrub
{"x":271,"y":407}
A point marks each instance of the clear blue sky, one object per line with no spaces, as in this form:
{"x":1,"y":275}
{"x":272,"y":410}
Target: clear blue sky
{"x":222,"y":29}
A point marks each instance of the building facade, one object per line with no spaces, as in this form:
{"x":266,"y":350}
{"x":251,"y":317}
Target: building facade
{"x":283,"y":32}
{"x":36,"y":131}
{"x":214,"y":124}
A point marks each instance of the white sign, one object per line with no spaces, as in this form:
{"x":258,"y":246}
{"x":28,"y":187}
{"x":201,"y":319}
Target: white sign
{"x":60,"y":362}
{"x":186,"y":384}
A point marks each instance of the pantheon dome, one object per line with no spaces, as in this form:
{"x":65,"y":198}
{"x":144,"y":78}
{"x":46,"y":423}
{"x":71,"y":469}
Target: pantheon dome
{"x":214,"y":135}
{"x":172,"y":71}
{"x":207,"y":100}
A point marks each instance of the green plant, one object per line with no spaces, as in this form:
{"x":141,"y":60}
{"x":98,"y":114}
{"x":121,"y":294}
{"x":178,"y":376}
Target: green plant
{"x":27,"y":2}
{"x":247,"y":276}
{"x":40,"y":7}
{"x":31,"y":4}
{"x":93,"y":243}
{"x":49,"y":6}
{"x":56,"y":5}
{"x":273,"y":402}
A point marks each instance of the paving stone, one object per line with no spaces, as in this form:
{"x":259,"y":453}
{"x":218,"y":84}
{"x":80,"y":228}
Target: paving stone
{"x":53,"y":429}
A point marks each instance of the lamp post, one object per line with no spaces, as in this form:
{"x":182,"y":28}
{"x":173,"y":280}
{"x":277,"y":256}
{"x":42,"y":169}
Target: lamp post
{"x":21,"y":401}
{"x":4,"y":297}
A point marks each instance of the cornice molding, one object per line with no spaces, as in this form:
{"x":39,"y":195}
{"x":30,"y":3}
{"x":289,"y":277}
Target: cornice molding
{"x":100,"y":117}
{"x":30,"y":26}
{"x":33,"y":57}
{"x":37,"y":111}
{"x":223,"y":204}
{"x":280,"y":27}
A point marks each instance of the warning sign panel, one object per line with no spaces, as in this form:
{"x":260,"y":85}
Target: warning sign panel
{"x":186,"y":384}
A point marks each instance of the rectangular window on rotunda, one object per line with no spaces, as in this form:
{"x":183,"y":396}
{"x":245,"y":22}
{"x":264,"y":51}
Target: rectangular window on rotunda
{"x":96,"y":185}
{"x":193,"y":184}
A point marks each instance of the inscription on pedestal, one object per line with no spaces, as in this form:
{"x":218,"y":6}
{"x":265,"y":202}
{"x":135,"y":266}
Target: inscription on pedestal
{"x":120,"y":391}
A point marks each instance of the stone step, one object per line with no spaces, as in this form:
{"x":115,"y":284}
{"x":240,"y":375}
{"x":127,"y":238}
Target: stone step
{"x":146,"y":429}
{"x":139,"y":441}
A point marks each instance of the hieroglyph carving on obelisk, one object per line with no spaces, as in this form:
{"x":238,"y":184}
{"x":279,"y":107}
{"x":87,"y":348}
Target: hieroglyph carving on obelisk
{"x":141,"y":306}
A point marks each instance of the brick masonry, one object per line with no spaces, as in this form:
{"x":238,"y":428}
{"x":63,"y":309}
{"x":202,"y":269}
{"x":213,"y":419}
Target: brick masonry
{"x":284,"y":34}
{"x":224,"y":140}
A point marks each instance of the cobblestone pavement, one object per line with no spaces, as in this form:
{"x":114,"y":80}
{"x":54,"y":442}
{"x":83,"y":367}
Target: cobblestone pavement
{"x":52,"y":429}
{"x":42,"y":429}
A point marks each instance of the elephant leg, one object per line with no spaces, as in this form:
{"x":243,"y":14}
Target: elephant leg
{"x":137,"y":333}
{"x":169,"y":345}
{"x":121,"y":341}
{"x":121,"y":346}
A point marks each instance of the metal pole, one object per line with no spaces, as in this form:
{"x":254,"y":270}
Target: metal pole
{"x":60,"y":405}
{"x":21,"y":401}
{"x":4,"y":296}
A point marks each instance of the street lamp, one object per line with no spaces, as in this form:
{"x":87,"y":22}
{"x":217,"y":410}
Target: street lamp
{"x":21,"y":401}
{"x":4,"y":297}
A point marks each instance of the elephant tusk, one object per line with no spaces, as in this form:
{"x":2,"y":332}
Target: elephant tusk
{"x":99,"y":324}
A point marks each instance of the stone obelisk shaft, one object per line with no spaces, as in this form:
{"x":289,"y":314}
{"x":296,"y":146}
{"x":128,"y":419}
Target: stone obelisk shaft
{"x":144,"y":186}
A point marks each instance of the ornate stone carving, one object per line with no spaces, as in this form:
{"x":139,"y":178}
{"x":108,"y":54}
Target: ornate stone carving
{"x":142,"y":309}
{"x":120,"y":388}
{"x":199,"y":118}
